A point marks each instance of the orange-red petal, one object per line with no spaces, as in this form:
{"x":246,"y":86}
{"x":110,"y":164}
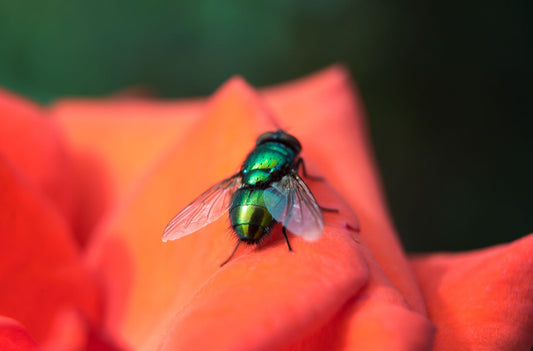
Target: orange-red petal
{"x":34,"y":145}
{"x":377,"y":318}
{"x":41,"y":273}
{"x":480,"y":300}
{"x":41,"y":270}
{"x":125,"y":136}
{"x":13,"y":336}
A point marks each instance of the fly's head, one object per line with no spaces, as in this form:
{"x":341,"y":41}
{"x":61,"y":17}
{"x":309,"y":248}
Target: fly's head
{"x":282,"y":137}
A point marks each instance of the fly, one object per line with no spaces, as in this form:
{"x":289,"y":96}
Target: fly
{"x":267,"y":190}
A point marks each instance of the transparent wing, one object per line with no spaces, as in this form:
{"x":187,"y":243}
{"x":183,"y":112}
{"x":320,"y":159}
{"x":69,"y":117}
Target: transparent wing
{"x":207,"y":208}
{"x":293,"y":205}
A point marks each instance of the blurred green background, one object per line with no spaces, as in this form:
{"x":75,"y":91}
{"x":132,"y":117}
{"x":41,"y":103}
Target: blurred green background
{"x":447,"y":85}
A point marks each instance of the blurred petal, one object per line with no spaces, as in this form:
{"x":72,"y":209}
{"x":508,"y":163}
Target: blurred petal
{"x":34,"y":144}
{"x":40,"y":269}
{"x":120,"y":139}
{"x":125,"y":135}
{"x":72,"y":331}
{"x":481,"y":299}
{"x":13,"y":336}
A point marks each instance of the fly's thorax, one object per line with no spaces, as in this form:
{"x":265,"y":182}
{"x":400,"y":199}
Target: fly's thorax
{"x":248,"y":215}
{"x":265,"y":161}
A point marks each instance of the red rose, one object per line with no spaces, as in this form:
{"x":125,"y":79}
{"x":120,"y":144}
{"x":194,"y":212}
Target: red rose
{"x":88,"y":186}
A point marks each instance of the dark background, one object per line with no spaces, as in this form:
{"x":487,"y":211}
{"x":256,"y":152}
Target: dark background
{"x":447,"y":86}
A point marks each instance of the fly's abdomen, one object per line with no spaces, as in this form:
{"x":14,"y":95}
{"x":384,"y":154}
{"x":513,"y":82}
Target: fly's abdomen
{"x":249,"y":217}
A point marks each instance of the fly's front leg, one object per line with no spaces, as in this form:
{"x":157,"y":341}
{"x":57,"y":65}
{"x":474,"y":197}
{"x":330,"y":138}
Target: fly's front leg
{"x":301,"y":163}
{"x":287,"y":219}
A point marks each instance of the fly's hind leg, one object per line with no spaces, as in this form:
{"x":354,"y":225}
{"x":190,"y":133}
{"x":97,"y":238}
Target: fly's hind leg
{"x":287,"y":219}
{"x":325,"y":209}
{"x":300,"y":163}
{"x":286,"y":237}
{"x":233,"y":253}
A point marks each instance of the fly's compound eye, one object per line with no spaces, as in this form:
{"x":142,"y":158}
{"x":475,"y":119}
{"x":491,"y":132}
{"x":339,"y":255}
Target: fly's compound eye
{"x":291,"y":142}
{"x":263,"y":138}
{"x":280,"y":137}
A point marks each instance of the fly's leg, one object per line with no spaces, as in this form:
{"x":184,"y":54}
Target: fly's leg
{"x":300,"y":163}
{"x":230,"y":256}
{"x":286,"y":237}
{"x":325,"y":209}
{"x":287,"y":219}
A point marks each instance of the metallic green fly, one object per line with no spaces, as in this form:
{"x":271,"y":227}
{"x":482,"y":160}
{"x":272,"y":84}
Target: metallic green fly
{"x":267,"y":190}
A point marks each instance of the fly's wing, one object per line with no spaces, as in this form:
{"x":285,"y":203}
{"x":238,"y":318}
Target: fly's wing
{"x":207,"y":208}
{"x":293,"y":205}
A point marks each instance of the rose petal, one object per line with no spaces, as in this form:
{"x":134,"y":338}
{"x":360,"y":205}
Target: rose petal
{"x":13,"y":336}
{"x":124,"y":135}
{"x":34,"y":143}
{"x":482,"y":299}
{"x":377,"y":318}
{"x":40,"y":268}
{"x":253,"y":315}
